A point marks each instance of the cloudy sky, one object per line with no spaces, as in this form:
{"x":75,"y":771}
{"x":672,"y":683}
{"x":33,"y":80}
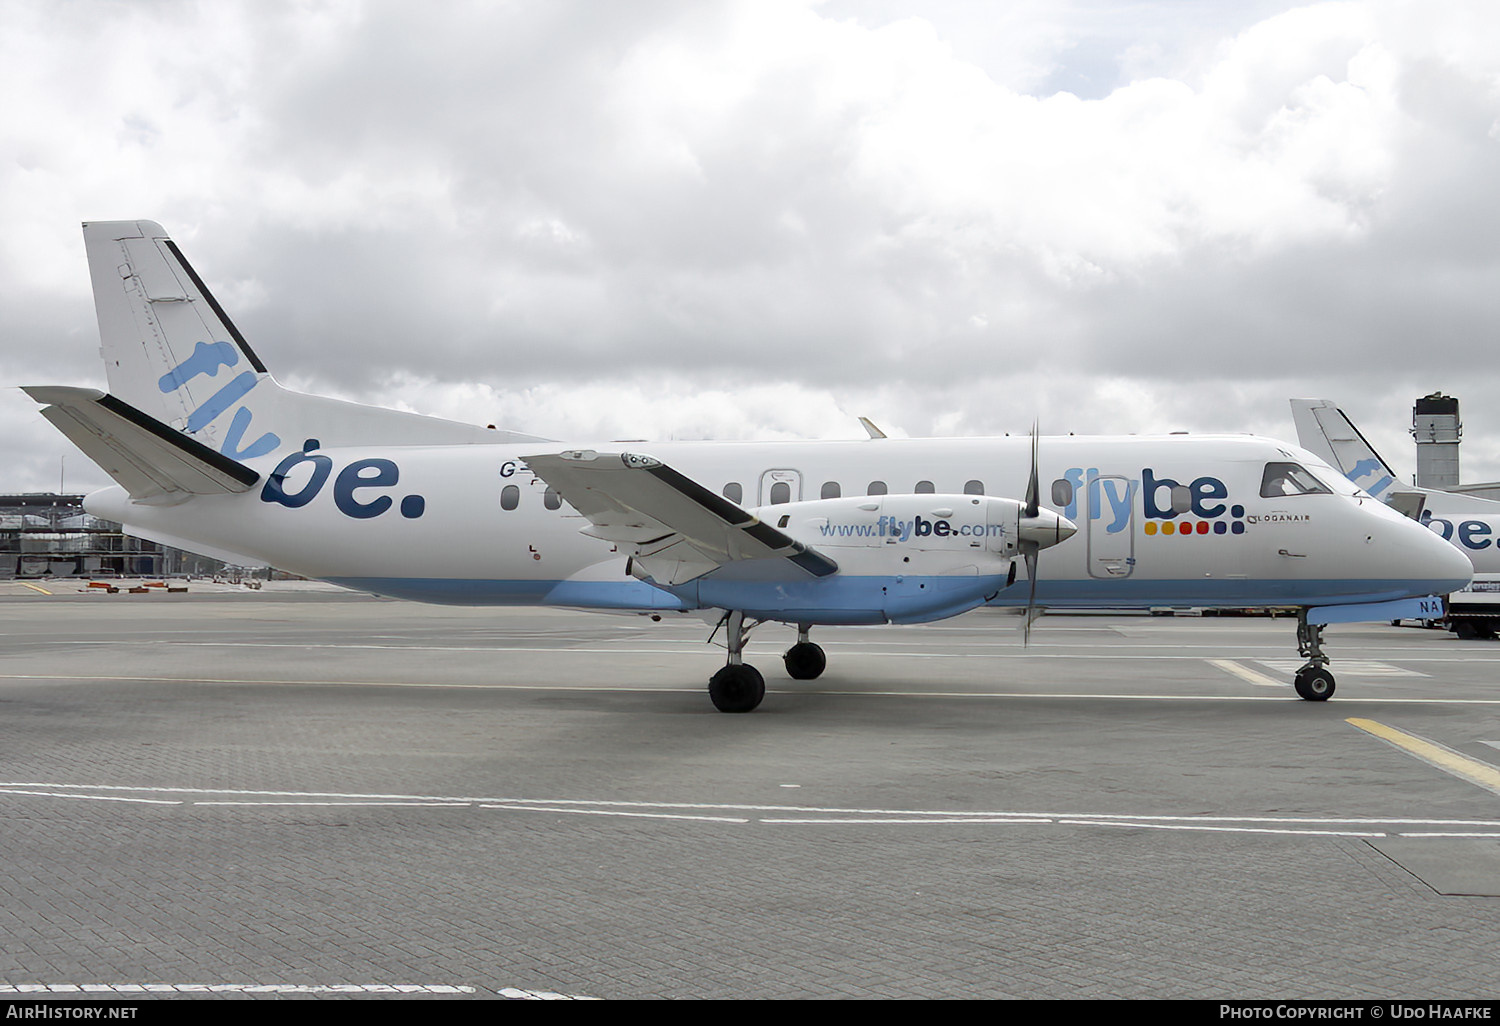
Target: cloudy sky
{"x":705,"y":219}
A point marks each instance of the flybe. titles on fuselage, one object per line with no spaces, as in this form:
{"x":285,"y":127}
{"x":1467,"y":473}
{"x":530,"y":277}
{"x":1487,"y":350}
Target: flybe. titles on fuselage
{"x":1168,"y":506}
{"x":1472,"y":533}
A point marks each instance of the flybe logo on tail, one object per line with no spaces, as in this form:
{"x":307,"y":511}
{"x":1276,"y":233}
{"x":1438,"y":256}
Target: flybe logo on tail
{"x":206,"y":361}
{"x":1168,"y":507}
{"x":1370,"y":474}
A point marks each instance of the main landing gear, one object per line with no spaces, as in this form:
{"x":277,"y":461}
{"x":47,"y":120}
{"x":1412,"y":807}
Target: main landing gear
{"x":1313,"y":682}
{"x":804,"y":660}
{"x":739,"y":687}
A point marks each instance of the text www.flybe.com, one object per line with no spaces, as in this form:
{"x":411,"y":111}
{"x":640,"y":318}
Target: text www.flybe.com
{"x":920,"y":527}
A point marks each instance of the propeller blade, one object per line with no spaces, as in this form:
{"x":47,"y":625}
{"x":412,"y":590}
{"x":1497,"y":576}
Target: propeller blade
{"x":1030,"y":551}
{"x":1037,"y":534}
{"x":1033,"y":485}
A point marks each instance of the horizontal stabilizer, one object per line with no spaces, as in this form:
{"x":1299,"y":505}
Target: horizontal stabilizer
{"x":678,"y":529}
{"x":152,"y":461}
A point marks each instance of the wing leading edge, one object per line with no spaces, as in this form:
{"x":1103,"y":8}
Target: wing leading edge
{"x":679,"y":530}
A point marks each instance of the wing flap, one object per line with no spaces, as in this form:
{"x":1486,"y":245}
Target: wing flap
{"x":679,"y":529}
{"x":150,"y":460}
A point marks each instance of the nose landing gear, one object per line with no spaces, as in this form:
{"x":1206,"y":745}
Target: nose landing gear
{"x":1313,"y":682}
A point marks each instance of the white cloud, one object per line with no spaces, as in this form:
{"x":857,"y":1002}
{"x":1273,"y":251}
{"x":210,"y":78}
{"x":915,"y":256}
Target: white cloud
{"x":767,"y":218}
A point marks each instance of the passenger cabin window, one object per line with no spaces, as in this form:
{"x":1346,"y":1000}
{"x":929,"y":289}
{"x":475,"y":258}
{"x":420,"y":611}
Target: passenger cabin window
{"x":973,"y":487}
{"x":925,"y":488}
{"x":551,"y":499}
{"x":781,"y":492}
{"x":831,"y":490}
{"x":510,"y":497}
{"x":1282,"y":479}
{"x":734,"y":493}
{"x":1062,"y":492}
{"x":877,"y":488}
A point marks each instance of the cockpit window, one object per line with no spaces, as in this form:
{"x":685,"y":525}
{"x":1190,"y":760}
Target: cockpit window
{"x":1282,"y":479}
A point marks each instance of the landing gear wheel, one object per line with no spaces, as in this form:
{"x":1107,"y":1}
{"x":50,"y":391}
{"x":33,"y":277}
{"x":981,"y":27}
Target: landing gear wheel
{"x":1314,"y":683}
{"x":805,"y":661}
{"x":737,"y":688}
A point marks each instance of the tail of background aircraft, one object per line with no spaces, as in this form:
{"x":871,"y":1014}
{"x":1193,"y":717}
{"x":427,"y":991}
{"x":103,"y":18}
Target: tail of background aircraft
{"x":1325,"y":430}
{"x":172,"y":352}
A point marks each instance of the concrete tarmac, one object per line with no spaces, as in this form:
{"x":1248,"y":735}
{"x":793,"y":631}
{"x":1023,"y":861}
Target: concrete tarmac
{"x":301,"y":792}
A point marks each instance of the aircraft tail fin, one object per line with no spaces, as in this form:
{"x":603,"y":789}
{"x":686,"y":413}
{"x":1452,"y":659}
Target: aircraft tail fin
{"x":171,"y":352}
{"x":1325,"y":430}
{"x":154,"y":463}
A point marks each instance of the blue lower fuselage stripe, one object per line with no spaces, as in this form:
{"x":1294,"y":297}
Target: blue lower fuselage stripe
{"x":863,"y":594}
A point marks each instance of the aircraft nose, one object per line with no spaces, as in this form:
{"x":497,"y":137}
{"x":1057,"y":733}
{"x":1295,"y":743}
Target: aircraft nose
{"x":1431,"y":557}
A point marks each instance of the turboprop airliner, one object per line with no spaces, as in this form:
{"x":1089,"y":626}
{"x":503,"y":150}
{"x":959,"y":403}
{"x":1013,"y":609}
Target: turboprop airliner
{"x":210,"y":454}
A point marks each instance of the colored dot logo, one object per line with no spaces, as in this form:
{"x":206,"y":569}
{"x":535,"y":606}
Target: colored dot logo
{"x":1188,"y":528}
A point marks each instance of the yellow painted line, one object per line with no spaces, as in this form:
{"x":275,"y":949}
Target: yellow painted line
{"x":33,"y":587}
{"x":1244,"y":673}
{"x":1445,"y":759}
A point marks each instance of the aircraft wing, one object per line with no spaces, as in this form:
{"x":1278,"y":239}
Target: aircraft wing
{"x":678,"y":529}
{"x":148,"y":458}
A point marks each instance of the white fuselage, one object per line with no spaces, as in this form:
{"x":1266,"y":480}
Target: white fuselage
{"x":1161,"y":521}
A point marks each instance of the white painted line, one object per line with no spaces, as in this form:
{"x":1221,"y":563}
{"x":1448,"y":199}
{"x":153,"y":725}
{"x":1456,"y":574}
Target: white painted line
{"x":1486,"y":836}
{"x":1353,"y":667}
{"x":923,"y":820}
{"x":1246,"y":674}
{"x":614,"y":812}
{"x":784,"y":815}
{"x":263,"y":682}
{"x":235,"y":988}
{"x":341,"y":805}
{"x":690,"y":687}
{"x":801,"y":811}
{"x":1217,"y":829}
{"x":539,"y":995}
{"x":90,"y":797}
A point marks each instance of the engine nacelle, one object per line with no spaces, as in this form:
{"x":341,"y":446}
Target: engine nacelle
{"x":901,"y":559}
{"x":929,"y":534}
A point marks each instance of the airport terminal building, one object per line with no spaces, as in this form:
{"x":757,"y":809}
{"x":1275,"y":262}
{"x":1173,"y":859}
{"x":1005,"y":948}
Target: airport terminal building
{"x":50,"y":535}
